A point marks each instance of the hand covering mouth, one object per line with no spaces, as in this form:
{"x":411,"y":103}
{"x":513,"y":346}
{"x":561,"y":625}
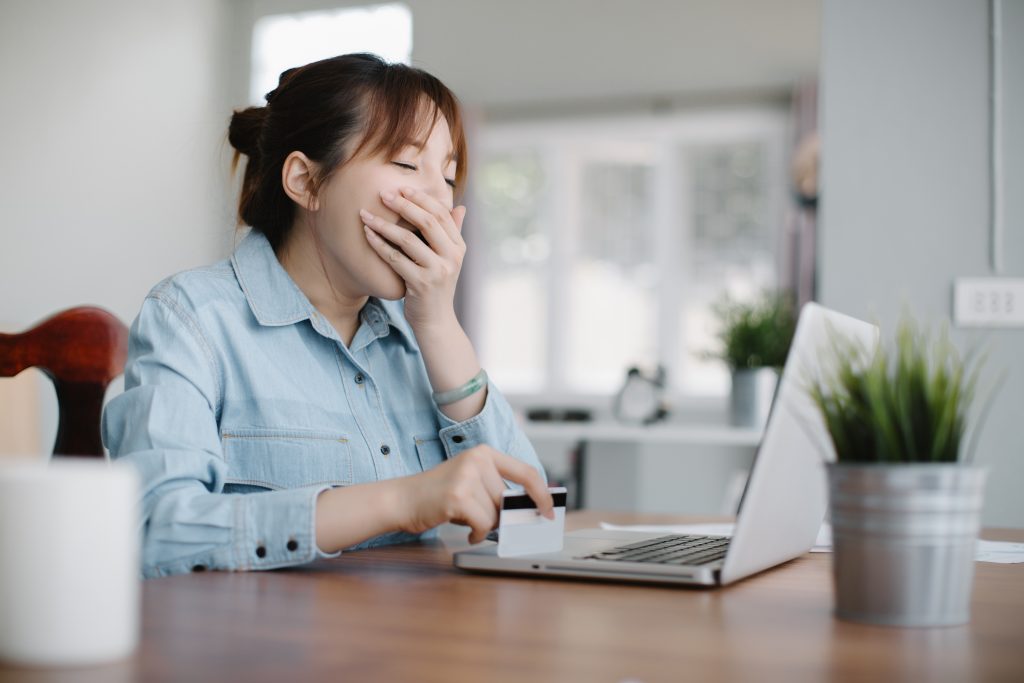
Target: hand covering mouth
{"x":406,"y":225}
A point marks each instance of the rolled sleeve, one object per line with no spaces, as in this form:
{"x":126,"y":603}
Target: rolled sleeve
{"x":165,"y":424}
{"x":495,"y":425}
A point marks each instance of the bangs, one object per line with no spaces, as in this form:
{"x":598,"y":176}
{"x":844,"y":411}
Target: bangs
{"x":404,"y":109}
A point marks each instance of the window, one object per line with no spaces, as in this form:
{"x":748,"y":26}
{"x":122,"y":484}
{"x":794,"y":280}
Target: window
{"x":510,"y":190}
{"x":611,"y":317}
{"x":605,"y":244}
{"x":283,"y":41}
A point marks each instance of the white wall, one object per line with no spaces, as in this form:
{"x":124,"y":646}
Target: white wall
{"x":113,"y":171}
{"x":906,"y":182}
{"x":533,"y":51}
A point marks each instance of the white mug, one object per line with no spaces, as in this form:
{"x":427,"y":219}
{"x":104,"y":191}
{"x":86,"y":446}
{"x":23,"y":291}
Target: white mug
{"x":69,"y":562}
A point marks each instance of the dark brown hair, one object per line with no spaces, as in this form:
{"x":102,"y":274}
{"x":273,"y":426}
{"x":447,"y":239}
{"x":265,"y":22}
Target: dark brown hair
{"x":322,"y":109}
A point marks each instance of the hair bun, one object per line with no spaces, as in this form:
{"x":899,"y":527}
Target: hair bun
{"x":285,"y":75}
{"x":245,"y":129}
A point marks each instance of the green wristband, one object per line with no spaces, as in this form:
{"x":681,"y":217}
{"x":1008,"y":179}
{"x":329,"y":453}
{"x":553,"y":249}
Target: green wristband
{"x":478,"y":382}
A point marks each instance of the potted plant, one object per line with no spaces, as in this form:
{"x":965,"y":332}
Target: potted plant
{"x":904,"y":500}
{"x":755,"y":338}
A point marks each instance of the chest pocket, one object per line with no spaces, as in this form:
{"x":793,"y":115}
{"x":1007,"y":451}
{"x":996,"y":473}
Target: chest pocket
{"x":429,"y":450}
{"x":286,"y":459}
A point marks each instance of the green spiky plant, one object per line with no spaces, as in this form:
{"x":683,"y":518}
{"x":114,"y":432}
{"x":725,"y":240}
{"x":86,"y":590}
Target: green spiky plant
{"x":756,"y":334}
{"x":906,"y":404}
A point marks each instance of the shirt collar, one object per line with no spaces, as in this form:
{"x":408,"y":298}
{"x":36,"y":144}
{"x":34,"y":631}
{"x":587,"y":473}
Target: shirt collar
{"x":276,"y":300}
{"x":383,"y":315}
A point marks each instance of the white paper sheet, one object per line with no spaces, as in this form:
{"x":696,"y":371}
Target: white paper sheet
{"x":1002,"y":552}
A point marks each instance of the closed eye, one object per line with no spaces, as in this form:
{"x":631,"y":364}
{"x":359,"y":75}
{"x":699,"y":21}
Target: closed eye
{"x":412,"y":167}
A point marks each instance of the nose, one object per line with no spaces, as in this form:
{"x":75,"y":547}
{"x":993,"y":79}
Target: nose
{"x":433,"y":183}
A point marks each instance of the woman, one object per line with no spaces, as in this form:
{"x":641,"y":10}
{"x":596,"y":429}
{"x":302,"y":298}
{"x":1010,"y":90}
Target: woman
{"x":286,"y":403}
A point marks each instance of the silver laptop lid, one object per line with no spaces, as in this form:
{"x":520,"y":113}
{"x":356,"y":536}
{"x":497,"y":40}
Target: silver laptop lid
{"x":786,"y":495}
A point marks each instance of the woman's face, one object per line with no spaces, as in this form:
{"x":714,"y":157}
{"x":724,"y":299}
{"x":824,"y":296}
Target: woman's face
{"x":350,"y":259}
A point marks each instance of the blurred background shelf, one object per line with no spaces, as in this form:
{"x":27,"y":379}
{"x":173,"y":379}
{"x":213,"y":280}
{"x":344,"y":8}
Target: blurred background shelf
{"x":677,"y":467}
{"x":664,"y":433}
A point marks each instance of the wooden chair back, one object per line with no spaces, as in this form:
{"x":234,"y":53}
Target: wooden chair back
{"x":81,"y":350}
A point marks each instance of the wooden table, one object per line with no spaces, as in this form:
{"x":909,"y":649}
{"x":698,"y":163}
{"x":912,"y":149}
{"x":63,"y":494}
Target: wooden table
{"x":404,"y":613}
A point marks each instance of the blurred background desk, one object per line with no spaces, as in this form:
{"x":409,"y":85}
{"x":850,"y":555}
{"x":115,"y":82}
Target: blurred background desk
{"x":404,"y":613}
{"x":669,"y":467}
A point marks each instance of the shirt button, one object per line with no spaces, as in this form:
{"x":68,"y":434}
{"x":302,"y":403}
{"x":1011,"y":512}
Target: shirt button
{"x":293,"y":545}
{"x":359,"y":378}
{"x":458,"y":438}
{"x":385,"y":449}
{"x":261,"y":552}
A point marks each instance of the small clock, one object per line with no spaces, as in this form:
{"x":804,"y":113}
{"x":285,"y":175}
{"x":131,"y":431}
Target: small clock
{"x":641,"y":400}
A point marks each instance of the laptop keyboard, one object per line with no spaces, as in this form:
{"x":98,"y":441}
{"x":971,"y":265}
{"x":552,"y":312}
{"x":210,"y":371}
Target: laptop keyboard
{"x":674,"y":549}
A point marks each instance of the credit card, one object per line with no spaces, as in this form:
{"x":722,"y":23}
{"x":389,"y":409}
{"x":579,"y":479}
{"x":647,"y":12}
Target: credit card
{"x":522,"y":530}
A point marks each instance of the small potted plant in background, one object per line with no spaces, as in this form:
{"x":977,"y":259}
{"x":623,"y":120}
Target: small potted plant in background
{"x":755,"y":338}
{"x":904,"y":502}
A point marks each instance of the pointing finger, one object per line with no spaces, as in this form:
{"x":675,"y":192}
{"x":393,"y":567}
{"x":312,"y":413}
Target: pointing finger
{"x":521,"y":473}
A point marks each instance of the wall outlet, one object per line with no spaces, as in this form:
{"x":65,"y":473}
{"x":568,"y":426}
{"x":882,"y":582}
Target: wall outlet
{"x":988,"y":302}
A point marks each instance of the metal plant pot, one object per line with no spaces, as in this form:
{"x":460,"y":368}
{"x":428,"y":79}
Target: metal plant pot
{"x":753,"y":390}
{"x":904,"y":541}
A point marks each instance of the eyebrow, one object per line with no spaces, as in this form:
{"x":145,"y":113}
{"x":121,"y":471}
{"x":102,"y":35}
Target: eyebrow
{"x":421,"y":144}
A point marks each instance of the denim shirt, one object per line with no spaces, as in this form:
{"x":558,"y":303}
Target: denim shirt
{"x":242,"y":404}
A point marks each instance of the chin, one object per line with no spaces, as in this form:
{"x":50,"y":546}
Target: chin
{"x":389,"y":286}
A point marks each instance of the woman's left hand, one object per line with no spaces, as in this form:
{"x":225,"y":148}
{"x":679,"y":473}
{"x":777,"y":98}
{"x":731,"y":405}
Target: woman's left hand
{"x":430,"y":270}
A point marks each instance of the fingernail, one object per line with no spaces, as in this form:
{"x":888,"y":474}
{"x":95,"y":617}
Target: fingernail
{"x":388,"y":196}
{"x":367,"y":216}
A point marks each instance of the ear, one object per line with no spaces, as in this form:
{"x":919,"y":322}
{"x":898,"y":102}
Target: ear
{"x":297,"y":180}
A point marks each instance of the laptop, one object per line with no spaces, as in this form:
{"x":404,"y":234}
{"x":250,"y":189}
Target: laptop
{"x":780,"y":513}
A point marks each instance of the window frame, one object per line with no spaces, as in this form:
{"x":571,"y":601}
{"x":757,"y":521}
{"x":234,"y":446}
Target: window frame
{"x":557,"y":141}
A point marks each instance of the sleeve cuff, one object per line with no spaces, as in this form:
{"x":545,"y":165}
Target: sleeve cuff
{"x":280,"y":533}
{"x":320,"y":554}
{"x":489,"y":426}
{"x":495,"y":425}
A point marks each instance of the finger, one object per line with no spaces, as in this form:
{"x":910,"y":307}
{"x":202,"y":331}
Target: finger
{"x":487,"y":487}
{"x":404,"y":239}
{"x":420,"y":209}
{"x":458,"y":216}
{"x":441,"y":213}
{"x":483,"y":498}
{"x":493,"y":483}
{"x":478,"y":519}
{"x":398,"y":261}
{"x":521,"y":473}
